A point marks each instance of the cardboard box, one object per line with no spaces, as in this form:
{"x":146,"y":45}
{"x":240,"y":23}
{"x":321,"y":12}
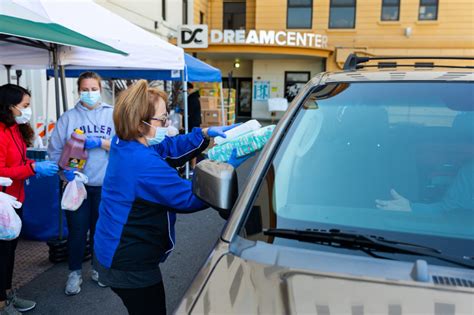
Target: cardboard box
{"x":226,"y":93}
{"x":206,"y":85}
{"x":208,"y":102}
{"x":208,"y":92}
{"x":212,"y":116}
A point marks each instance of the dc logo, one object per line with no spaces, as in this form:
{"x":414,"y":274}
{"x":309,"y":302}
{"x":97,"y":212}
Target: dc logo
{"x":193,"y":36}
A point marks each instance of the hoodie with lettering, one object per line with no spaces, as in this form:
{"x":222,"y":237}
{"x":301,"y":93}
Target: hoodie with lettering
{"x":97,"y":122}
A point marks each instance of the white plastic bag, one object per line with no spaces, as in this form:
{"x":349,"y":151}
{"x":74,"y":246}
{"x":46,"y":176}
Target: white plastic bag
{"x":5,"y":181}
{"x":75,"y":193}
{"x":10,"y":222}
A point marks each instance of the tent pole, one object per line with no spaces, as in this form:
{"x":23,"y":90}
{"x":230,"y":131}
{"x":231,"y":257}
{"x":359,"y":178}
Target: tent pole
{"x":63,"y":88}
{"x":8,"y":67}
{"x":113,"y":92}
{"x":185,"y":101}
{"x":58,"y":113}
{"x":224,"y":121}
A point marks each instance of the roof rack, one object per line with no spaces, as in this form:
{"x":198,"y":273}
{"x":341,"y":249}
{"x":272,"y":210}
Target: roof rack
{"x":354,"y":62}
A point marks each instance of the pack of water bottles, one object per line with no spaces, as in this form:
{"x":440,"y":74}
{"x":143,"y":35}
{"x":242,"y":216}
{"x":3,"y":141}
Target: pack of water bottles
{"x":245,"y":143}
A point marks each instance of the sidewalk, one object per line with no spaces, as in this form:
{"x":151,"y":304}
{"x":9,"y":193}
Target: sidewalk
{"x":44,"y":282}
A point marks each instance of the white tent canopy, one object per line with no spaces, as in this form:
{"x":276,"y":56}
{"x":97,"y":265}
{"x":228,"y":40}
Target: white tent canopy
{"x":145,"y":50}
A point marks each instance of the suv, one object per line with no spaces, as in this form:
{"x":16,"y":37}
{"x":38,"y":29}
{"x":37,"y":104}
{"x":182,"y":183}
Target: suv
{"x":362,"y":202}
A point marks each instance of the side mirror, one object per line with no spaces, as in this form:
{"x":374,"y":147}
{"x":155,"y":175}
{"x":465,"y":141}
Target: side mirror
{"x":216,"y":184}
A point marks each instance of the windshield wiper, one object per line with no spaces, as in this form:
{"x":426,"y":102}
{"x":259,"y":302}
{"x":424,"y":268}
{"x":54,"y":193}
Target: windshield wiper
{"x":365,"y":243}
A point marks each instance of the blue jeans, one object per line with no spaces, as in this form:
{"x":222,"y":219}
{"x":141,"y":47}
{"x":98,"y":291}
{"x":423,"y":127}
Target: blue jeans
{"x":79,"y":222}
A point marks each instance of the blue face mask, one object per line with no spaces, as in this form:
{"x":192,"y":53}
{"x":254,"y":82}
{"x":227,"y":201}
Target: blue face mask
{"x":160,"y":134}
{"x":90,"y":98}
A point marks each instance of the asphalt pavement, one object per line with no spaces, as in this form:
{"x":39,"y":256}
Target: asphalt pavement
{"x":196,"y":235}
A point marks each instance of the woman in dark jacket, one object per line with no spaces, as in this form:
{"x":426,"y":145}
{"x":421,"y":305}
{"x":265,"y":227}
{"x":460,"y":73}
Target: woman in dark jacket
{"x":15,"y":135}
{"x":141,"y":195}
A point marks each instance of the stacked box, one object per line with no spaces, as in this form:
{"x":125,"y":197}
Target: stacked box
{"x":212,"y":117}
{"x":208,"y":102}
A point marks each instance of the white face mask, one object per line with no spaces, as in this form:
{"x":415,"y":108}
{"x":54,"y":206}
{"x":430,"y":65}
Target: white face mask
{"x":90,"y":98}
{"x":25,"y":115}
{"x":160,"y":134}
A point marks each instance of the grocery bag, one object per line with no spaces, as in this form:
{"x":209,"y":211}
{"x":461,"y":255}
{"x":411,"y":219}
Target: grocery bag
{"x":75,"y":193}
{"x":10,"y":222}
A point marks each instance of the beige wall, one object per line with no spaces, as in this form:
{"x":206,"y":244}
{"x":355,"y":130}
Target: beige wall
{"x":274,"y":71}
{"x":245,"y":70}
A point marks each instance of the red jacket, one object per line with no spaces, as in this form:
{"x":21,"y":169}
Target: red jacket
{"x":13,"y":161}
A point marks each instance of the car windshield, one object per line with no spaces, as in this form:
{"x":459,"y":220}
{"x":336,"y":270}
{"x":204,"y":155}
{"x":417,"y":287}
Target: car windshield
{"x":390,"y":159}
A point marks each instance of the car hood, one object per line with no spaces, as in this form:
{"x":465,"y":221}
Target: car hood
{"x":238,"y":286}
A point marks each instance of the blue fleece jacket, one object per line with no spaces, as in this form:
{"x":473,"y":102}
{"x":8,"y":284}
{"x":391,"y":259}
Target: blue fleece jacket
{"x":140,"y":198}
{"x":97,"y":122}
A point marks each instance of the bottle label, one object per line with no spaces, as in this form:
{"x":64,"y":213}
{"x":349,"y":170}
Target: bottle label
{"x":76,"y":163}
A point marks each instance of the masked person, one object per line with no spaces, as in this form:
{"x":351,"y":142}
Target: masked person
{"x":142,"y":193}
{"x":15,"y":135}
{"x":94,"y":118}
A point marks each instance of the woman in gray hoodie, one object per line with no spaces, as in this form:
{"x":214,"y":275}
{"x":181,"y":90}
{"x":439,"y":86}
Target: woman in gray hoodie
{"x":94,"y":118}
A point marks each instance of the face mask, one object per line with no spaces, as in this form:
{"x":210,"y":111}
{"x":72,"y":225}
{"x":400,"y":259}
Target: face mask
{"x":24,"y":117}
{"x":90,"y":97}
{"x":160,"y":133}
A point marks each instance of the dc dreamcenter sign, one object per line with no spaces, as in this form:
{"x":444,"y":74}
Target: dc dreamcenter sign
{"x":198,"y":36}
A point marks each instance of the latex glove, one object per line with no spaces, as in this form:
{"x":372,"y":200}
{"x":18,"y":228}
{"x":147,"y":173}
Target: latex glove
{"x":220,"y":131}
{"x":46,"y":168}
{"x":69,"y":174}
{"x":398,"y":203}
{"x":237,"y":161}
{"x":93,"y":143}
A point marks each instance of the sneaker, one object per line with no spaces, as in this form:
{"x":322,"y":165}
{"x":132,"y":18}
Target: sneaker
{"x":73,"y":284}
{"x":95,"y":278}
{"x":20,"y":304}
{"x":9,"y":309}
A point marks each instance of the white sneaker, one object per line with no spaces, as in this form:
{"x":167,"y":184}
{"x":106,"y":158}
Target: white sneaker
{"x":73,"y":284}
{"x":95,"y":277}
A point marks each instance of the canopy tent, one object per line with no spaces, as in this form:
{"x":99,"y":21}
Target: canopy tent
{"x":195,"y":71}
{"x":28,"y":34}
{"x":145,"y":50}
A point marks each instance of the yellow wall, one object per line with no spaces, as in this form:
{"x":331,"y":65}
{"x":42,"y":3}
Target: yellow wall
{"x":451,"y":34}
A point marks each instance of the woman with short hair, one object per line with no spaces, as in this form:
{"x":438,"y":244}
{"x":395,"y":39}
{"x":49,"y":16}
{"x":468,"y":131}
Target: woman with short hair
{"x":142,"y":193}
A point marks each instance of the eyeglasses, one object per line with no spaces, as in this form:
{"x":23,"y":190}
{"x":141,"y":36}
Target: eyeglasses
{"x":163,"y":118}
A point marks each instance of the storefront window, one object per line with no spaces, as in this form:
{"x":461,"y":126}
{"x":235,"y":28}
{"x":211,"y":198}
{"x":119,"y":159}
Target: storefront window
{"x":234,"y":15}
{"x":300,"y":14}
{"x":428,"y":10}
{"x":390,"y":10}
{"x":294,"y":82}
{"x":342,"y":14}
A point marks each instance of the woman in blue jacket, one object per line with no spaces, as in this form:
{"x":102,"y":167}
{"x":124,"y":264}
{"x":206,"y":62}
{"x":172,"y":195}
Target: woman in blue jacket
{"x":141,"y":194}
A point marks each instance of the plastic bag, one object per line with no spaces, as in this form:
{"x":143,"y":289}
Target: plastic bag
{"x":5,"y":181}
{"x":10,"y":222}
{"x":75,"y":193}
{"x":245,"y":144}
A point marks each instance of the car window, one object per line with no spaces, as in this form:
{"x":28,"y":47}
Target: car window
{"x":390,"y":159}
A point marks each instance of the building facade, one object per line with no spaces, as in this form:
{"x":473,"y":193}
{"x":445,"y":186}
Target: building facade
{"x":275,"y":46}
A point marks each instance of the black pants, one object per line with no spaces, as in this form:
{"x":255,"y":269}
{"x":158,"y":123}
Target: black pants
{"x":7,"y":260}
{"x":140,"y":301}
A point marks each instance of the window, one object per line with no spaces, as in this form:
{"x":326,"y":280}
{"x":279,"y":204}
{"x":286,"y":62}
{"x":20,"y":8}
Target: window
{"x":428,"y":10}
{"x":163,"y":9}
{"x":294,"y":82}
{"x":299,"y":14}
{"x":185,"y":11}
{"x":201,"y":17}
{"x":342,"y":14}
{"x":234,"y":15}
{"x":390,"y":10}
{"x":353,"y":151}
